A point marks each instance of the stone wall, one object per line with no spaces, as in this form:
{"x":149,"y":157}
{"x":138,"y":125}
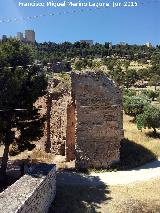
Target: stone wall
{"x":99,"y":127}
{"x":41,"y":103}
{"x":84,"y":119}
{"x":54,"y":106}
{"x":58,"y":123}
{"x":70,"y":132}
{"x":32,"y":193}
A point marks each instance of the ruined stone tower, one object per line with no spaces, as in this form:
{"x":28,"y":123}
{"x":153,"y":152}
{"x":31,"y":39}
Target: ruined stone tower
{"x":85,"y":120}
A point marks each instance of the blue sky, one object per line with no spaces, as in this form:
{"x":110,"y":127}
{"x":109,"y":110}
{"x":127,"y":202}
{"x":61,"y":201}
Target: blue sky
{"x":136,"y":25}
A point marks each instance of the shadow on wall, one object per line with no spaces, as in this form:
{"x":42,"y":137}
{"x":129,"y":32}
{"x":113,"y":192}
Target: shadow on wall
{"x":79,"y":193}
{"x":133,"y":155}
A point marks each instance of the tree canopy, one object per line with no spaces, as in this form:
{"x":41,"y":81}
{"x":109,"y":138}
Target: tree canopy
{"x":20,"y":87}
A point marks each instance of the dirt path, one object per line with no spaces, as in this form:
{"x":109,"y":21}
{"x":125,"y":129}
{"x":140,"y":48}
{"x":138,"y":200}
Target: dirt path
{"x":143,"y":173}
{"x":135,"y":191}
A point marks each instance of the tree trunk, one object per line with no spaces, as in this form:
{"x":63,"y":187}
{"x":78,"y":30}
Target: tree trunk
{"x":4,"y":162}
{"x":6,"y":142}
{"x":154,"y":131}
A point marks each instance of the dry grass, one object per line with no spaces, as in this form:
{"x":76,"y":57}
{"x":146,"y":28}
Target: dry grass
{"x":42,"y":156}
{"x":141,"y":138}
{"x":38,"y":155}
{"x":59,"y":160}
{"x":137,"y":66}
{"x":138,"y":198}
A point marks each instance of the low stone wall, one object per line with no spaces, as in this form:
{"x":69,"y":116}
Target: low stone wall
{"x":33,"y":193}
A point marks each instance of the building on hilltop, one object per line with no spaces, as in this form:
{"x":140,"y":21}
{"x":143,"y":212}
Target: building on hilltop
{"x":4,"y":37}
{"x":148,"y":44}
{"x":84,"y":119}
{"x":20,"y":36}
{"x":30,"y":36}
{"x":122,"y":43}
{"x":110,"y":45}
{"x":90,"y":42}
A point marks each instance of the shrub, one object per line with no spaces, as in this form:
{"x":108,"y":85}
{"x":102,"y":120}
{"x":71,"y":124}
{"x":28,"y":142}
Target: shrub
{"x":150,"y":118}
{"x":158,"y":99}
{"x":150,"y":94}
{"x":134,"y":105}
{"x":129,"y":92}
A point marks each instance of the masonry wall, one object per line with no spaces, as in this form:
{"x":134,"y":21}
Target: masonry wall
{"x":58,"y":124}
{"x":99,"y":128}
{"x":84,"y":119}
{"x":70,"y":132}
{"x":42,"y":104}
{"x":54,"y":107}
{"x":32,"y":193}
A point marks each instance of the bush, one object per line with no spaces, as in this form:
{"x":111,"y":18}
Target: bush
{"x":129,"y":92}
{"x":150,"y":94}
{"x":158,"y":99}
{"x":134,"y":105}
{"x":150,"y":118}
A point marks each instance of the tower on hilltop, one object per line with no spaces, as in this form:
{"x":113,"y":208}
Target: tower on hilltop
{"x":30,"y":36}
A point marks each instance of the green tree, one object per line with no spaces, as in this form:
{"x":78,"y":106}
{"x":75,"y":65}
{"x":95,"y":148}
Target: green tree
{"x":126,"y":64}
{"x":150,"y":118}
{"x":151,"y":94}
{"x":154,"y":81}
{"x":13,"y":53}
{"x":155,"y":70}
{"x":130,"y":78}
{"x":19,"y":89}
{"x":110,"y":63}
{"x":143,"y":74}
{"x":134,"y":105}
{"x":117,"y":75}
{"x":80,"y":64}
{"x":129,"y":92}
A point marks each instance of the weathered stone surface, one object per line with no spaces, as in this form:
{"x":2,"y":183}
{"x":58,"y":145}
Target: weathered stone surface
{"x":99,"y":126}
{"x":85,"y":120}
{"x":58,"y":124}
{"x":70,"y":132}
{"x":59,"y":99}
{"x":32,"y":193}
